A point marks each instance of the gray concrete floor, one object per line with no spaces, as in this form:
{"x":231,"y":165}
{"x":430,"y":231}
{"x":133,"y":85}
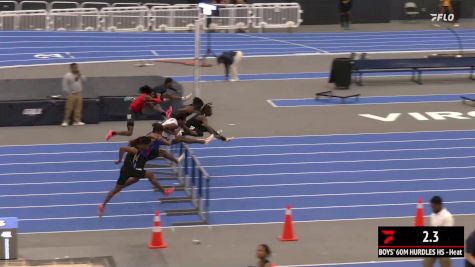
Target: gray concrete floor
{"x":241,"y":110}
{"x":319,"y":242}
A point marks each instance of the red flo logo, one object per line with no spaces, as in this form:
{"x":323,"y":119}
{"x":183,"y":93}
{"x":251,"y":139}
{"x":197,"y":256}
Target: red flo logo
{"x":389,"y":236}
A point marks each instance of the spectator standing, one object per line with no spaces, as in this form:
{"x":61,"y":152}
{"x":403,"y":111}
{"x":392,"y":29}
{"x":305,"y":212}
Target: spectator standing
{"x":345,"y":12}
{"x":73,"y":86}
{"x":440,"y":217}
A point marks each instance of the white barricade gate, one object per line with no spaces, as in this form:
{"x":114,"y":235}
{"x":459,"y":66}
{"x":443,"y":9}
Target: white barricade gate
{"x":77,"y":19}
{"x":174,"y":18}
{"x":277,"y":15}
{"x":231,"y":17}
{"x":150,"y":19}
{"x":125,"y":18}
{"x":161,"y":17}
{"x":8,"y":6}
{"x":125,"y":4}
{"x":24,"y":20}
{"x":150,"y":5}
{"x":98,"y":5}
{"x":63,"y":5}
{"x":34,"y":5}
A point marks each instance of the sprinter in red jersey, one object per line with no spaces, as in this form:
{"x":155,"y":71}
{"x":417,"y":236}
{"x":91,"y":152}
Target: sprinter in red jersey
{"x":135,"y":110}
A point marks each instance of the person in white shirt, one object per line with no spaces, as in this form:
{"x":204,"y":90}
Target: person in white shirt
{"x":72,"y":86}
{"x":440,"y":217}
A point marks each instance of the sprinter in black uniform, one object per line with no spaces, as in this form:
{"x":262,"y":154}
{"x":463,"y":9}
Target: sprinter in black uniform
{"x":199,"y":124}
{"x":193,"y":108}
{"x":133,"y":170}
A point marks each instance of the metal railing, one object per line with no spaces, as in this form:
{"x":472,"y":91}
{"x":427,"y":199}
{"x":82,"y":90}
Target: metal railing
{"x":100,"y":16}
{"x":24,"y":20}
{"x":131,"y":18}
{"x":196,"y":181}
{"x":76,"y":19}
{"x":284,"y":15}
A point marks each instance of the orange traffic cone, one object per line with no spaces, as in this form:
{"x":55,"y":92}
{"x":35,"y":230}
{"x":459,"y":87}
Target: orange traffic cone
{"x":288,"y":231}
{"x":419,"y":220}
{"x":157,"y":238}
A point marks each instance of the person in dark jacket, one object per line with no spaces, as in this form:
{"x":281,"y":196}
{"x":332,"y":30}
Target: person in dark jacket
{"x":231,"y":61}
{"x":345,"y":9}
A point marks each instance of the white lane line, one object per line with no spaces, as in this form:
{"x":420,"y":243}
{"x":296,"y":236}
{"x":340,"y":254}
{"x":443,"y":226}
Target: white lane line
{"x":322,"y":143}
{"x":63,"y":172}
{"x":345,"y":194}
{"x":73,"y":193}
{"x":58,"y":153}
{"x":177,"y":57}
{"x":334,"y":172}
{"x":132,"y":48}
{"x":257,"y":197}
{"x":336,"y":207}
{"x":277,"y":145}
{"x":248,"y":210}
{"x":370,"y":40}
{"x":281,"y":154}
{"x":155,"y":51}
{"x":332,"y":162}
{"x":233,"y":225}
{"x":345,"y":182}
{"x":409,"y":180}
{"x":398,"y":51}
{"x":86,"y":217}
{"x":257,"y":174}
{"x":237,"y":211}
{"x":285,"y":136}
{"x":56,"y":162}
{"x":79,"y":205}
{"x":284,"y":42}
{"x":336,"y":152}
{"x":72,"y":144}
{"x":59,"y":172}
{"x":101,"y":57}
{"x":65,"y":182}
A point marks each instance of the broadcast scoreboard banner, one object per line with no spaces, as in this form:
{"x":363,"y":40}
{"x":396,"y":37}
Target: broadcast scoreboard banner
{"x":420,"y":242}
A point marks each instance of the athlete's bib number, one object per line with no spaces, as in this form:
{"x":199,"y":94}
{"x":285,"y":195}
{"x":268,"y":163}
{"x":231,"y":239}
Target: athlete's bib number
{"x":129,"y":116}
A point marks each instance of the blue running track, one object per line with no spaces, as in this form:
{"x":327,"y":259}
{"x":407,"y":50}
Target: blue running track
{"x":41,"y":47}
{"x":306,"y":75}
{"x":338,"y":177}
{"x":370,"y":100}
